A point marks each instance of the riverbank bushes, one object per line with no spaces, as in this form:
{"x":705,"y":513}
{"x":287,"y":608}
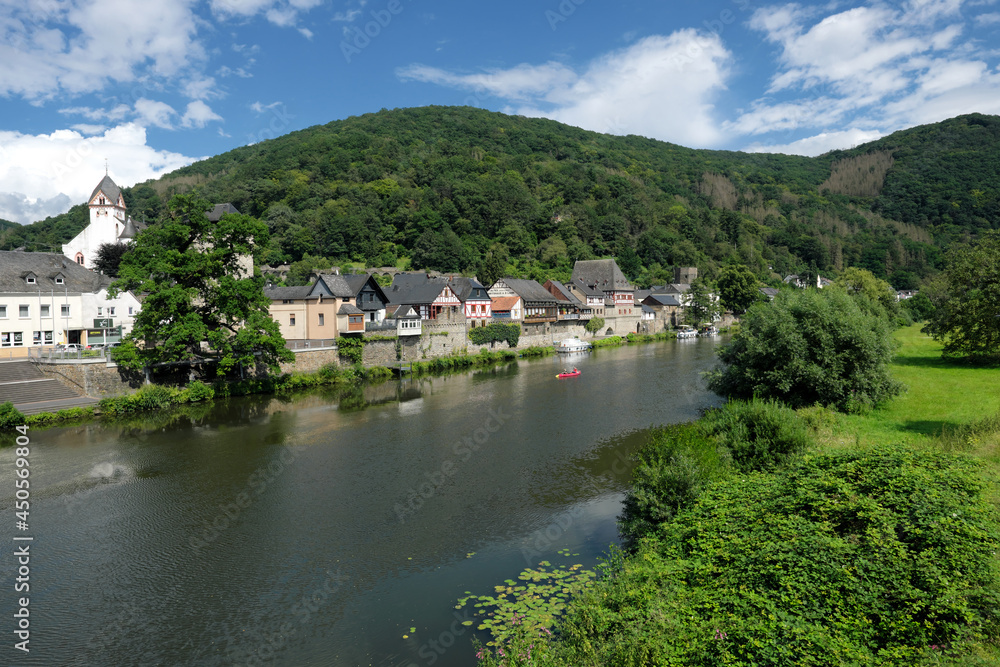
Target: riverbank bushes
{"x":883,"y":557}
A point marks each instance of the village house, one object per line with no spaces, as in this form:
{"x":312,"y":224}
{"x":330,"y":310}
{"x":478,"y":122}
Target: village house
{"x":476,"y":301}
{"x":46,"y":299}
{"x":591,"y":297}
{"x":570,"y":306}
{"x":666,"y":308}
{"x":604,"y":275}
{"x":507,"y":308}
{"x":432,"y":299}
{"x":539,"y":307}
{"x":330,"y":307}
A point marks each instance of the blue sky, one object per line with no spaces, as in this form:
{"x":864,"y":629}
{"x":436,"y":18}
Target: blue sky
{"x":152,"y":86}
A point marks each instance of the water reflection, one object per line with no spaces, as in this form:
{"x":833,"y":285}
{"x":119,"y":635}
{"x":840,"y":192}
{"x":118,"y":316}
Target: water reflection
{"x":270,"y":528}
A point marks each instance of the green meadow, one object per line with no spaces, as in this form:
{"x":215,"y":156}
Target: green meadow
{"x":948,"y":405}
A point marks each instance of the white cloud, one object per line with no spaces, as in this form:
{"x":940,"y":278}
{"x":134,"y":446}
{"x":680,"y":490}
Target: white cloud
{"x":868,"y":67}
{"x":198,"y":114}
{"x":45,"y":174}
{"x":83,"y":55}
{"x":988,"y":19}
{"x":820,"y":143}
{"x":661,"y":86}
{"x":151,"y":112}
{"x":282,"y":13}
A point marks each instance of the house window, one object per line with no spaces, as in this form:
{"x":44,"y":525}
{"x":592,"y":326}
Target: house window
{"x":64,"y":310}
{"x":22,"y":311}
{"x":36,"y":338}
{"x":371,"y":297}
{"x":291,"y":320}
{"x":131,"y":311}
{"x":18,"y":339}
{"x":3,"y":312}
{"x":100,"y":311}
{"x":30,"y":280}
{"x":321,"y":319}
{"x":5,"y":339}
{"x":59,"y":280}
{"x":111,"y":311}
{"x":48,"y":337}
{"x":79,"y":258}
{"x":46,"y":310}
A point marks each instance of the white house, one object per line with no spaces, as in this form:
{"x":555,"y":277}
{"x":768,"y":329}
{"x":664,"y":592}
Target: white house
{"x":45,"y":299}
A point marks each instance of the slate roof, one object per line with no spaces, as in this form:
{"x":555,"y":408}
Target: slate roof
{"x":220,"y":210}
{"x":661,"y":300}
{"x":563,"y":293}
{"x":281,"y":293}
{"x":468,"y":288}
{"x":130,"y":229}
{"x":769,"y":292}
{"x":407,"y":313}
{"x":109,"y":188}
{"x":337,"y":286}
{"x":349,"y":309}
{"x":587,"y":289}
{"x":45,"y":266}
{"x":603,"y":274}
{"x":414,"y":288}
{"x":530,"y":290}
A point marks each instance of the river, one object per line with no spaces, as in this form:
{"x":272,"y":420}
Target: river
{"x":319,"y":530}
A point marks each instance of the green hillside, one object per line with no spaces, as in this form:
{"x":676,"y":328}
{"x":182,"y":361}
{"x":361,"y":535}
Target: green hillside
{"x":442,"y":185}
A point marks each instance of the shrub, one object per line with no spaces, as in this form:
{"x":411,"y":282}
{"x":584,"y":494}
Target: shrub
{"x":594,"y":325}
{"x":199,"y":391}
{"x":810,"y":346}
{"x":883,"y":557}
{"x":10,"y":416}
{"x":758,"y":434}
{"x":672,"y":470}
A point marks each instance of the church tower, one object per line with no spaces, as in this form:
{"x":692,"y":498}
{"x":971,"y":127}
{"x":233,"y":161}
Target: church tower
{"x":109,"y":223}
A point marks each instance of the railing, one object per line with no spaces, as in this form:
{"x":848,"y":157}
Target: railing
{"x":384,"y":325}
{"x":54,"y":354}
{"x":310,"y":344}
{"x":569,"y":316}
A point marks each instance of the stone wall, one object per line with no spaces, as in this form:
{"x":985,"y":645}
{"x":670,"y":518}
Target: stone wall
{"x":95,"y":379}
{"x":311,"y":360}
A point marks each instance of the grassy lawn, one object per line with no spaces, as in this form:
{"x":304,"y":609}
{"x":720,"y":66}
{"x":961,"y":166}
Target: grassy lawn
{"x":941,"y":396}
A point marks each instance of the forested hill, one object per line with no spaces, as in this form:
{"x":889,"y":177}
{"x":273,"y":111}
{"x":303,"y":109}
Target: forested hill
{"x":444,"y":186}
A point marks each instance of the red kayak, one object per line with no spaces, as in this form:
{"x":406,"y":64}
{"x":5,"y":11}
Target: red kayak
{"x":571,"y":374}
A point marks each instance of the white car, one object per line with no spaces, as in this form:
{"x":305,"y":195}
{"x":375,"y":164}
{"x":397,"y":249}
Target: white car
{"x":69,"y":347}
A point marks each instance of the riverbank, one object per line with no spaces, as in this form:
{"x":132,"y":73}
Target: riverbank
{"x":159,"y":397}
{"x":904,"y":467}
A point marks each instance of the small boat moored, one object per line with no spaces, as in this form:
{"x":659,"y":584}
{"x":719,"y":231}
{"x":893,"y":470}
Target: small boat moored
{"x":572,"y":345}
{"x":686,"y":332}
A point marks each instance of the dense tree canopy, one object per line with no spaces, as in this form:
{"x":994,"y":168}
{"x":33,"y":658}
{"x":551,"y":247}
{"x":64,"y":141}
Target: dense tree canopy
{"x":966,"y":316}
{"x":738,"y":288}
{"x":810,"y":346}
{"x":441,"y":185}
{"x":198,"y":289}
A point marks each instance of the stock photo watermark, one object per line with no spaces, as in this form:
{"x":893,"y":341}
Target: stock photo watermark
{"x":463,"y":451}
{"x":257,"y":482}
{"x":358,"y":39}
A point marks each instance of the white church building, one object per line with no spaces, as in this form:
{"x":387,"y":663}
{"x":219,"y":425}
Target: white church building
{"x":109,"y":223}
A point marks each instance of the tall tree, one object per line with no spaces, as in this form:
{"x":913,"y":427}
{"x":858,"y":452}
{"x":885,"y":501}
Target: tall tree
{"x":493,"y":266}
{"x":874,"y":292}
{"x":966,"y":315}
{"x":702,"y":305}
{"x":738,"y":288}
{"x":200,"y":287}
{"x":810,"y":346}
{"x":109,"y":257}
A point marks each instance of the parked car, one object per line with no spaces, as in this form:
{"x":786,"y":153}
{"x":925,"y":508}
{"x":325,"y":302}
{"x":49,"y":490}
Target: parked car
{"x":69,"y":347}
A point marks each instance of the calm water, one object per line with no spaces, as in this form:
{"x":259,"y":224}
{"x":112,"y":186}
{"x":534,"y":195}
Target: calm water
{"x":319,"y":530}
